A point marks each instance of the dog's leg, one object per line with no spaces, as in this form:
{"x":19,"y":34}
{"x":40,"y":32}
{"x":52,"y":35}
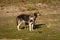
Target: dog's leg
{"x":29,"y":26}
{"x":26,"y":25}
{"x":18,"y":26}
{"x":32,"y":26}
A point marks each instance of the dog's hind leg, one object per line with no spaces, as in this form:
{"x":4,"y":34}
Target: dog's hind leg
{"x":18,"y":26}
{"x":18,"y":23}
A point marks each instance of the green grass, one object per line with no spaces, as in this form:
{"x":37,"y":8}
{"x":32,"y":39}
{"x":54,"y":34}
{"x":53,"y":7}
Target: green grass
{"x":8,"y":29}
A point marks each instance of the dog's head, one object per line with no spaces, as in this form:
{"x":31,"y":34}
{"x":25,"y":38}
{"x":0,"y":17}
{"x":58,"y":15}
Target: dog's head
{"x":37,"y":14}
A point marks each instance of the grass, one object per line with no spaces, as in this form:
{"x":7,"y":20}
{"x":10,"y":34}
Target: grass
{"x":8,"y":29}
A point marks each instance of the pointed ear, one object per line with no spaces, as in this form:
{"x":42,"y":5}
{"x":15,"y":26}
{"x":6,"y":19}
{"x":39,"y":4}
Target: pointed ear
{"x":38,"y":13}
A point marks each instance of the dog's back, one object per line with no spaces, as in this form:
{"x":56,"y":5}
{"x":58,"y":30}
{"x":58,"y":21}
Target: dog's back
{"x":21,"y":17}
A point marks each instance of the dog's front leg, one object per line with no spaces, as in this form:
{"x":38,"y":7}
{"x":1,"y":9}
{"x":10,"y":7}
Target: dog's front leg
{"x":29,"y":26}
{"x":32,"y":26}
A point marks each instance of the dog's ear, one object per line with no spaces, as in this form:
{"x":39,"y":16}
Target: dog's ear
{"x":38,"y":13}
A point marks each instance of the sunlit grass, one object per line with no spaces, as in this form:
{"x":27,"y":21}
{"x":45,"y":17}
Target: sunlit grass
{"x":8,"y":29}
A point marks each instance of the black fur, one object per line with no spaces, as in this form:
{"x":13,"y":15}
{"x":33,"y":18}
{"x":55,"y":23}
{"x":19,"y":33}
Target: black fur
{"x":24,"y":17}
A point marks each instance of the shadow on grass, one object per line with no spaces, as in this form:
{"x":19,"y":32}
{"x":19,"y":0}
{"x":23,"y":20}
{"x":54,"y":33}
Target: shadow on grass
{"x":38,"y":26}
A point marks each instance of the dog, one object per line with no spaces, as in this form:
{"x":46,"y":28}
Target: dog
{"x":27,"y":19}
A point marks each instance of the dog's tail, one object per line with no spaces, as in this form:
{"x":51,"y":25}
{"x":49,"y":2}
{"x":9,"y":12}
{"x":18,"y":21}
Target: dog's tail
{"x":17,"y":21}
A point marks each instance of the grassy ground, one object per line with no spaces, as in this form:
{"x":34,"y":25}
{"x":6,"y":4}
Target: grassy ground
{"x":8,"y":29}
{"x":13,"y":2}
